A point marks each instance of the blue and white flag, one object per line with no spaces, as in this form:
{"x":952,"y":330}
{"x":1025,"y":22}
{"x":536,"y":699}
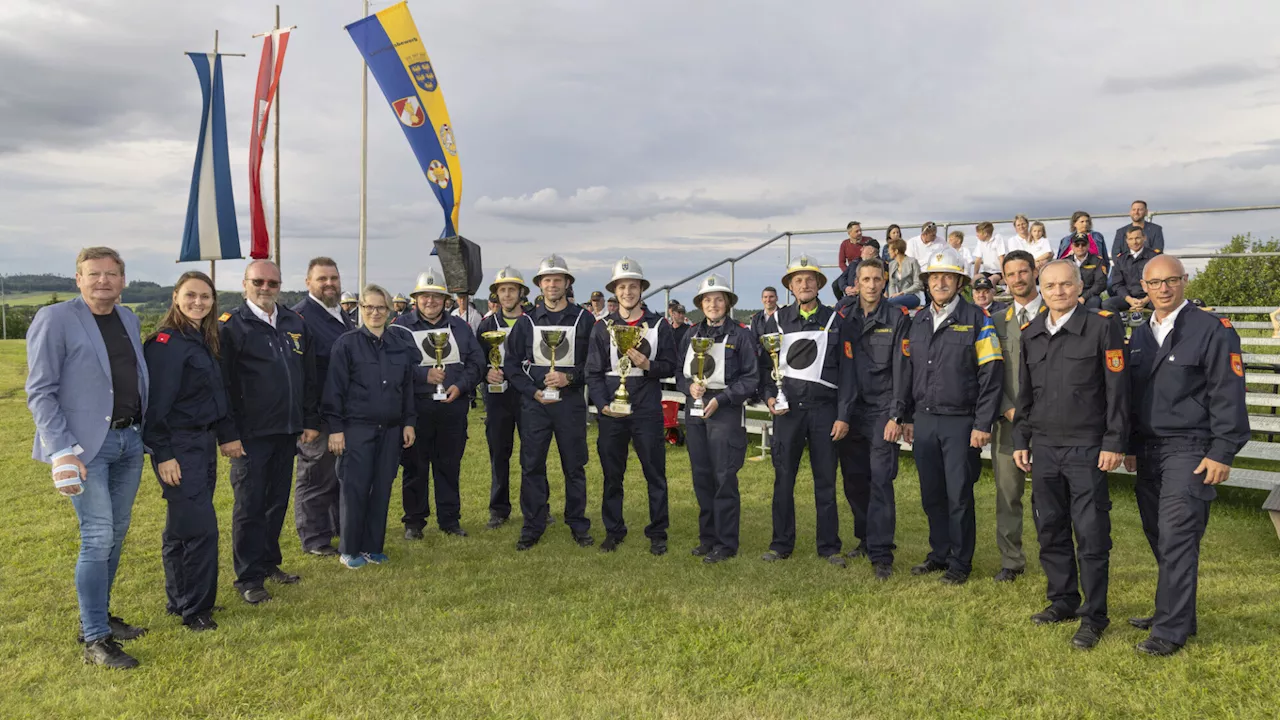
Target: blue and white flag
{"x":211,"y":232}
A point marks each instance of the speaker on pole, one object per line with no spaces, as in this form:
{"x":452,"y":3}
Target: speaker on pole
{"x":460,"y":260}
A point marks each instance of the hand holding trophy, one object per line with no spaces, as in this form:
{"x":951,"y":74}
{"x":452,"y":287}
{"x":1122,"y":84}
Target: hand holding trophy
{"x":773,"y":343}
{"x":700,"y":346}
{"x":439,"y":341}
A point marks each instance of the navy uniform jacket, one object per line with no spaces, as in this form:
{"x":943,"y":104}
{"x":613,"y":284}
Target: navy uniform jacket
{"x":270,"y":373}
{"x":1093,"y":273}
{"x":465,"y":374}
{"x":741,"y":368}
{"x":1154,"y":233}
{"x":1192,"y":387}
{"x":1126,"y":280}
{"x":646,"y":389}
{"x":877,"y":359}
{"x":1073,"y":387}
{"x":324,"y":329}
{"x":371,"y":380}
{"x":837,"y":366}
{"x":957,"y":370}
{"x":186,"y":391}
{"x":489,"y":323}
{"x":519,"y":369}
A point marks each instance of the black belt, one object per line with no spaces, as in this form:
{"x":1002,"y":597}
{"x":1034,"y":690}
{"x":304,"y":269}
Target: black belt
{"x":123,"y":423}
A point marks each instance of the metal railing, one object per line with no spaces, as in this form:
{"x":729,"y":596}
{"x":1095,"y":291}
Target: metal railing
{"x":945,"y":227}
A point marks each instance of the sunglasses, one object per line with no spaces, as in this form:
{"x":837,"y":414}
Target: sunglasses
{"x":259,"y":282}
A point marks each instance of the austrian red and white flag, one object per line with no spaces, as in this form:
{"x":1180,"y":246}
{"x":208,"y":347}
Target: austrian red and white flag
{"x":273,"y":47}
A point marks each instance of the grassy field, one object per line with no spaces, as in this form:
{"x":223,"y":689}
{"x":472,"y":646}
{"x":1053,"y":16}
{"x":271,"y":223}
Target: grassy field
{"x":469,"y":628}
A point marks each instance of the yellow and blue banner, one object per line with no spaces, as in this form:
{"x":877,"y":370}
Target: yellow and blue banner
{"x":392,"y":48}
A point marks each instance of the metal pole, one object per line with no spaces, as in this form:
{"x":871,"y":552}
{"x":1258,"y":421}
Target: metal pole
{"x":213,"y":264}
{"x":364,"y":164}
{"x":275,"y":155}
{"x":732,"y":274}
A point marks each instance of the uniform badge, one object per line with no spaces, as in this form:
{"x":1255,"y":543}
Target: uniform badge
{"x":1115,"y":360}
{"x":297,"y":341}
{"x":162,"y":338}
{"x":904,"y":310}
{"x":224,"y":317}
{"x":848,"y":349}
{"x":1225,"y":322}
{"x":1105,"y":313}
{"x":446,"y":139}
{"x":409,"y":110}
{"x":906,"y":347}
{"x":1237,"y":364}
{"x":423,"y":75}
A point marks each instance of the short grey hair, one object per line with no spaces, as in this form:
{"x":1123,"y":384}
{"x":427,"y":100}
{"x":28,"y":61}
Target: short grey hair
{"x":260,"y":261}
{"x":1075,"y":269}
{"x":372,"y":289}
{"x":98,"y":253}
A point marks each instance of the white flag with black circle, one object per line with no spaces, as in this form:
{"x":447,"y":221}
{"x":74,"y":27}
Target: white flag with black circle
{"x":804,"y":353}
{"x":564,"y":351}
{"x":648,"y":347}
{"x":712,"y":366}
{"x":449,"y":354}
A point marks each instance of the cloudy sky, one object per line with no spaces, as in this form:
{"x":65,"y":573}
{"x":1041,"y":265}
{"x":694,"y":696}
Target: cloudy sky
{"x":677,"y":132}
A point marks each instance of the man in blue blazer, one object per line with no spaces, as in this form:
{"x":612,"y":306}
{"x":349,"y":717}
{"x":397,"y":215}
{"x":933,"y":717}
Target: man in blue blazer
{"x":87,"y":391}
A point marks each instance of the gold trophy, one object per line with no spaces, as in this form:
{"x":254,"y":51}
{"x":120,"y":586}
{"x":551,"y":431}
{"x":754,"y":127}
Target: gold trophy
{"x":552,"y":338}
{"x":439,"y":341}
{"x":494,"y":340}
{"x":700,"y":346}
{"x":773,"y":343}
{"x":625,"y":337}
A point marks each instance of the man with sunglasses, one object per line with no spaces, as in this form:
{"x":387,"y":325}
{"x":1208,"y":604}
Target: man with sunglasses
{"x":1189,"y":420}
{"x":269,"y":367}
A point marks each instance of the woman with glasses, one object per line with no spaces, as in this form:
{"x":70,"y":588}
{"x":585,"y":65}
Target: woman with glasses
{"x":187,"y":418}
{"x":368,"y":405}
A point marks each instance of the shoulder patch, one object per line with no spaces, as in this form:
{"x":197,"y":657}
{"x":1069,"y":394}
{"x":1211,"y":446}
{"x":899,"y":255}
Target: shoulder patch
{"x":224,"y":317}
{"x":1156,"y":251}
{"x":1105,"y":313}
{"x":905,"y":311}
{"x":162,"y":338}
{"x":906,"y":347}
{"x":848,"y":349}
{"x":1225,"y":322}
{"x":1115,"y":360}
{"x":1237,"y":364}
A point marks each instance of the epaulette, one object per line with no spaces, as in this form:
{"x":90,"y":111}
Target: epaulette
{"x":1025,"y":325}
{"x":1225,"y":322}
{"x":162,"y":338}
{"x":743,"y":326}
{"x":224,"y":316}
{"x":1156,"y":251}
{"x":904,"y":310}
{"x":1105,"y":313}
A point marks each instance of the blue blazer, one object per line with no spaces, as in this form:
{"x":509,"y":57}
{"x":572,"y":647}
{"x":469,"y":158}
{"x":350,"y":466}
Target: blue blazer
{"x":69,"y":381}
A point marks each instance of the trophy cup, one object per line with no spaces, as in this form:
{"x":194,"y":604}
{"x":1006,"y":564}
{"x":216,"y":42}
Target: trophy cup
{"x":625,"y":337}
{"x":700,"y":347}
{"x":494,"y":340}
{"x":773,"y":343}
{"x":553,"y":338}
{"x":439,"y":341}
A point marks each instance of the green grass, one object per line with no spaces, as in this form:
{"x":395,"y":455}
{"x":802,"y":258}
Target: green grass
{"x":469,"y":628}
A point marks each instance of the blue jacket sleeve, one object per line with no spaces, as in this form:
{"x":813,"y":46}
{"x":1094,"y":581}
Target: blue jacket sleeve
{"x":518,"y":348}
{"x":1228,"y":412}
{"x":165,"y":368}
{"x":310,"y":383}
{"x":337,"y":386}
{"x":741,"y":389}
{"x":664,"y":361}
{"x":46,"y":349}
{"x":597,"y":366}
{"x":847,"y":393}
{"x":583,"y":327}
{"x":473,"y":360}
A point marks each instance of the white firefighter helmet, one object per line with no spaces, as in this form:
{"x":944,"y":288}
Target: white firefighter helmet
{"x":714,"y":283}
{"x":946,"y":260}
{"x":804,"y":263}
{"x":510,"y":275}
{"x":348,"y":297}
{"x":399,"y":298}
{"x":626,"y":269}
{"x":429,"y":283}
{"x":553,"y":265}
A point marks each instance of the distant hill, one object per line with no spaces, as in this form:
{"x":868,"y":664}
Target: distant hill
{"x":30,"y":284}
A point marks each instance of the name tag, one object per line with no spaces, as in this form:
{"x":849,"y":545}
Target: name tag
{"x":882,"y":330}
{"x":962,"y":328}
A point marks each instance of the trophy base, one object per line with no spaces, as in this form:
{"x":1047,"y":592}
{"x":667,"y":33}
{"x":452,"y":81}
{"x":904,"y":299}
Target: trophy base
{"x":500,"y":388}
{"x":439,"y":396}
{"x":620,"y":408}
{"x":696,"y":410}
{"x":551,"y":394}
{"x":780,"y":403}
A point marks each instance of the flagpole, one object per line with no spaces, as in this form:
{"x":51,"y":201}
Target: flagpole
{"x":275,"y":154}
{"x":364,"y":164}
{"x":213,"y":264}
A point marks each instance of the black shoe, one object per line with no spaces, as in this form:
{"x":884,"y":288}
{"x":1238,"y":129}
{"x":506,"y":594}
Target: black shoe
{"x":1054,"y":614}
{"x":412,"y":533}
{"x":774,"y":556}
{"x":610,"y":544}
{"x":1142,"y":623}
{"x":858,"y":552}
{"x":523,"y":544}
{"x":1158,"y":647}
{"x":836,"y":559}
{"x":1008,"y":575}
{"x":121,"y":630}
{"x":283,"y":577}
{"x":455,"y":530}
{"x":584,"y":540}
{"x":702,"y":550}
{"x":200,"y":623}
{"x":658,"y":547}
{"x":928,"y":566}
{"x":325,"y":550}
{"x":954,"y":577}
{"x":255,"y":595}
{"x":495,"y":522}
{"x":107,"y":651}
{"x":175,"y":613}
{"x":883,"y":571}
{"x":1087,"y":636}
{"x":717,"y":556}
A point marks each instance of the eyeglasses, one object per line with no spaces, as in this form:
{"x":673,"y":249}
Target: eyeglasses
{"x":374,"y":309}
{"x":259,"y":282}
{"x":1172,"y":282}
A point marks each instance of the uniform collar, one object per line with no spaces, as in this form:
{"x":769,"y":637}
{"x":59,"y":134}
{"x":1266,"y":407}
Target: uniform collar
{"x":335,"y":311}
{"x":1170,"y":319}
{"x":262,"y":314}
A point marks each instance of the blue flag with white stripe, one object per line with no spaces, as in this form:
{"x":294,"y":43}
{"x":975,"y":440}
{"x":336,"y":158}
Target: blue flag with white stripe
{"x":211,"y":232}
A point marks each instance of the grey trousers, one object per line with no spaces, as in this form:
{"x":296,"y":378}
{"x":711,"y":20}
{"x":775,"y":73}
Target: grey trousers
{"x":1011,"y":483}
{"x":315,"y":502}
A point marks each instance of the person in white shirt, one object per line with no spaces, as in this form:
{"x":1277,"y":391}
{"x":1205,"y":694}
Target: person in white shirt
{"x":989,"y":252}
{"x":971,"y":262}
{"x":467,"y":311}
{"x":1039,"y":246}
{"x":924,"y":246}
{"x":1021,"y":234}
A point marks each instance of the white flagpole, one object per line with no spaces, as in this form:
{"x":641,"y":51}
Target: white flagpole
{"x":364,"y":165}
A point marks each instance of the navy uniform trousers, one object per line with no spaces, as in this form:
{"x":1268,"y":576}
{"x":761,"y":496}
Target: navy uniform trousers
{"x":948,"y":469}
{"x":717,"y":448}
{"x":567,"y":422}
{"x":502,"y":419}
{"x":805,"y":424}
{"x":646,"y":432}
{"x":189,"y":544}
{"x":366,"y":472}
{"x":869,"y":466}
{"x":315,"y":501}
{"x":261,"y":481}
{"x":1173,"y":503}
{"x":1069,"y":492}
{"x":436,"y":454}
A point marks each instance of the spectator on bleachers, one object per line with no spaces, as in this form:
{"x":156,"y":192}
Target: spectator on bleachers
{"x":989,"y":251}
{"x":1039,"y":246}
{"x":1138,"y":215}
{"x":984,"y":294}
{"x":904,"y":287}
{"x":1082,"y":223}
{"x":926,"y":244}
{"x":1092,"y":274}
{"x":1021,"y":234}
{"x":679,"y":323}
{"x":955,"y":239}
{"x":851,"y":247}
{"x":1127,"y":292}
{"x":893,"y":233}
{"x":846,"y":284}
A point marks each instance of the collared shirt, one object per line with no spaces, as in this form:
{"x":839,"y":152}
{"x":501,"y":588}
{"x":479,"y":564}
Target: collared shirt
{"x":1054,"y":327}
{"x":335,"y":311}
{"x":1162,"y":329}
{"x":941,"y":315}
{"x":1032,"y":308}
{"x":1080,"y":261}
{"x":1038,"y":247}
{"x":262,"y":314}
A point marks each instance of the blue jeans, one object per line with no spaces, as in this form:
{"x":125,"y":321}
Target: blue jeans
{"x":104,"y":510}
{"x":909,"y":301}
